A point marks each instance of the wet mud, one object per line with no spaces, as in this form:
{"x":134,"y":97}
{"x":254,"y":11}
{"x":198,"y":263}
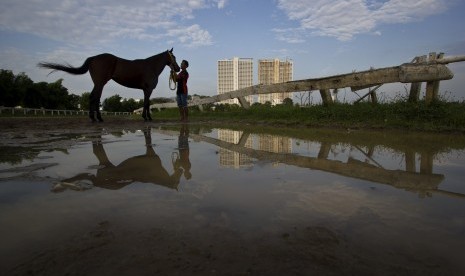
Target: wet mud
{"x":88,"y":227}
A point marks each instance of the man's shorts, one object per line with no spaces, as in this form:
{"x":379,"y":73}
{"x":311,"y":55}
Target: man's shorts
{"x":182,"y":100}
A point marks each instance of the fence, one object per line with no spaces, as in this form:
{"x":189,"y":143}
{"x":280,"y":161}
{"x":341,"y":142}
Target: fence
{"x":15,"y":111}
{"x":430,"y":69}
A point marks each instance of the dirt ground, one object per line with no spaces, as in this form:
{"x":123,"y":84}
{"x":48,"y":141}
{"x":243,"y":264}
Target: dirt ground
{"x":79,"y":124}
{"x":106,"y":248}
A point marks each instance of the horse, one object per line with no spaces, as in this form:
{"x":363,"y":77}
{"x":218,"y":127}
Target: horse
{"x":139,"y":74}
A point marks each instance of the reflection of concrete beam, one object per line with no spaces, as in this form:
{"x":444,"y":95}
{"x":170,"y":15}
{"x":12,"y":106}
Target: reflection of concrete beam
{"x":447,"y":193}
{"x":243,"y":139}
{"x":325,"y":148}
{"x":400,"y":179}
{"x":396,"y":178}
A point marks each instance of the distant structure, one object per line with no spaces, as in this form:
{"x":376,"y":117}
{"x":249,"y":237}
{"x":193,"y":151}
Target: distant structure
{"x":234,"y":74}
{"x":272,"y":71}
{"x":262,"y":142}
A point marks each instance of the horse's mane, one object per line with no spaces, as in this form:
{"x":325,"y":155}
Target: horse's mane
{"x":157,"y":55}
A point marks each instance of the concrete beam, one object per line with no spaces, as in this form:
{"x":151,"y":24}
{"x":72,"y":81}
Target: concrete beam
{"x":405,"y":73}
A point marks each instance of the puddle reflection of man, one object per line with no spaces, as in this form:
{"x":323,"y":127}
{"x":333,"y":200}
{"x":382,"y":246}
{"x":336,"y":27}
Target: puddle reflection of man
{"x":182,"y":159}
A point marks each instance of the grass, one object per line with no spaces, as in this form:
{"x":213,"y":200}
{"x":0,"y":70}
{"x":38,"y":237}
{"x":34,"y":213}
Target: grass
{"x":437,"y":116}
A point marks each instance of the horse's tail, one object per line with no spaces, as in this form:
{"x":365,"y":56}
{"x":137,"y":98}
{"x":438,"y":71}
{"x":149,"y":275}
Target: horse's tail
{"x":66,"y":67}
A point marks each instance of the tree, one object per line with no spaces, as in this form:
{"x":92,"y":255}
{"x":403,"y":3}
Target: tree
{"x":21,"y":85}
{"x":113,"y":103}
{"x":160,"y":100}
{"x":21,"y":90}
{"x":84,"y":101}
{"x":304,"y":97}
{"x":6,"y":87}
{"x":129,"y":105}
{"x":56,"y":95}
{"x":73,"y":102}
{"x":288,"y":101}
{"x":33,"y":97}
{"x":8,"y":96}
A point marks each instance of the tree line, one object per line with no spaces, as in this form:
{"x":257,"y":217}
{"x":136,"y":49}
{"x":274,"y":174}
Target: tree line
{"x":20,"y":90}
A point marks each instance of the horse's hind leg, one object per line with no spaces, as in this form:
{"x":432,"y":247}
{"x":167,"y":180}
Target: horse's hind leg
{"x":91,"y":106}
{"x":94,"y":103}
{"x":146,"y":110}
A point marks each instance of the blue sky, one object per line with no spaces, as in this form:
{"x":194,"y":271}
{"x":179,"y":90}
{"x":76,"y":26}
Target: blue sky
{"x":322,"y":37}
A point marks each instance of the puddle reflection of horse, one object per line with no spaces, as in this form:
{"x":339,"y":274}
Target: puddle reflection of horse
{"x":146,"y":168}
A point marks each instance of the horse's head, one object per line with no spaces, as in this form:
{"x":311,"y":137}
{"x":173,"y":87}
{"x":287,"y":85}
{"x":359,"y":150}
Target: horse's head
{"x":172,"y":61}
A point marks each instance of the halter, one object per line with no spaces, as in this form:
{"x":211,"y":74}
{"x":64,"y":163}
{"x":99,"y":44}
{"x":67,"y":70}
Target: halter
{"x":171,"y":58}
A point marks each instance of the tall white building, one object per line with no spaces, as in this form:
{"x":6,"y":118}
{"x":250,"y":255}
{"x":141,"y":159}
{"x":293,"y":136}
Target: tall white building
{"x":234,"y":74}
{"x":271,"y":71}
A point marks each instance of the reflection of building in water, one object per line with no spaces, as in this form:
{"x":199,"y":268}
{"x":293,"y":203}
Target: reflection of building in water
{"x":277,"y":144}
{"x":230,"y":158}
{"x":267,"y":143}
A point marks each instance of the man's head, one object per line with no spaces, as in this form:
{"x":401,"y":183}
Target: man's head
{"x":184,"y":64}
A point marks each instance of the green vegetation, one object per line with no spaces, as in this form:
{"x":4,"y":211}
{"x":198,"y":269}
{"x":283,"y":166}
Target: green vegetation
{"x":20,"y":90}
{"x":437,"y":116}
{"x":441,"y":115}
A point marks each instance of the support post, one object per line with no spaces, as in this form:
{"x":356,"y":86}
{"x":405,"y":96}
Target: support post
{"x":372,"y":94}
{"x":374,"y":98}
{"x":432,"y":87}
{"x":415,"y":87}
{"x":326,"y":97}
{"x":244,"y":103}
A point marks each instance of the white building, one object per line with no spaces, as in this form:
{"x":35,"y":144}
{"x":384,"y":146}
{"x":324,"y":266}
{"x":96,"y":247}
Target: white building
{"x":271,"y":71}
{"x":234,"y":74}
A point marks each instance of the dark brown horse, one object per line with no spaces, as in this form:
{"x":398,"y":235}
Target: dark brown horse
{"x":140,"y":74}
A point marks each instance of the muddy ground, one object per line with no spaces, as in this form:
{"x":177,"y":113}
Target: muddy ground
{"x":108,"y":248}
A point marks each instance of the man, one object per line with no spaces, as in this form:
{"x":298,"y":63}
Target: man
{"x":181,"y":93}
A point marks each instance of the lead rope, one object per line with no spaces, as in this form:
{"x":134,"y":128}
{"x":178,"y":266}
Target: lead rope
{"x":173,"y":76}
{"x":172,"y":80}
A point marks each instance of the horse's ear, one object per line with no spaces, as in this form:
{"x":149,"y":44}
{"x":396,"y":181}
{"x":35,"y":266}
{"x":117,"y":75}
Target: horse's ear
{"x":171,"y":50}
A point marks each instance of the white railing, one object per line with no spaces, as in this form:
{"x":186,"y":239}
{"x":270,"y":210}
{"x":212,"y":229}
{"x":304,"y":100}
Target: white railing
{"x":53,"y":112}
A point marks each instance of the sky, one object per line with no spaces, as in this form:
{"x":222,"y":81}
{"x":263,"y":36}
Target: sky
{"x":322,"y":37}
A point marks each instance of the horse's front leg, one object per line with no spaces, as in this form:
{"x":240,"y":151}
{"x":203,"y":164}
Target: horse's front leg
{"x":99,"y":116}
{"x":97,"y":96}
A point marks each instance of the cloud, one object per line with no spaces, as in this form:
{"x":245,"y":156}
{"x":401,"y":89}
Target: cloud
{"x":191,"y":36}
{"x":221,"y":3}
{"x":345,"y":19}
{"x":290,"y":35}
{"x":103,"y":21}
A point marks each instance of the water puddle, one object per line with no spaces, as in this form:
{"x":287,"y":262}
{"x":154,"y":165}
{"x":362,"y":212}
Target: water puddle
{"x":202,"y":200}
